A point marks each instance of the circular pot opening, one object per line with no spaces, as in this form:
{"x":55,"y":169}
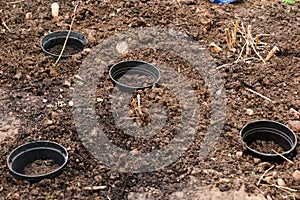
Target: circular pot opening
{"x":134,"y":74}
{"x":37,"y":160}
{"x":266,"y":139}
{"x":52,"y":43}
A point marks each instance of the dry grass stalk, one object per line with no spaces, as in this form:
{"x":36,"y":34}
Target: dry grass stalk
{"x":93,"y":188}
{"x":271,"y":53}
{"x":240,"y":55}
{"x":68,"y":35}
{"x":9,"y":30}
{"x":283,"y":156}
{"x":262,"y":176}
{"x":262,"y":96}
{"x":236,"y":27}
{"x":228,"y":39}
{"x":248,"y":41}
{"x":285,"y":189}
{"x":256,"y":41}
{"x":214,"y":47}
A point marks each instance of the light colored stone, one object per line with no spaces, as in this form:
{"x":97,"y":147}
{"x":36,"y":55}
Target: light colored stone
{"x":249,"y":111}
{"x":296,"y":176}
{"x":28,"y":16}
{"x":71,"y":103}
{"x":239,"y":154}
{"x":256,"y":160}
{"x":281,"y":182}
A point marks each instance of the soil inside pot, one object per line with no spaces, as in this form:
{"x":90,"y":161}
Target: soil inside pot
{"x":39,"y":167}
{"x":69,"y":50}
{"x":266,"y":146}
{"x":136,"y":79}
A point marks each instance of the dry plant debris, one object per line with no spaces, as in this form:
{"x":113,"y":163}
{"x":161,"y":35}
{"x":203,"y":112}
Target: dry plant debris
{"x":251,"y":45}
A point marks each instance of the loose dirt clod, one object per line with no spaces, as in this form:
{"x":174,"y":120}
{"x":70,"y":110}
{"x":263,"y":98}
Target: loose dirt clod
{"x":295,"y":125}
{"x":39,"y":167}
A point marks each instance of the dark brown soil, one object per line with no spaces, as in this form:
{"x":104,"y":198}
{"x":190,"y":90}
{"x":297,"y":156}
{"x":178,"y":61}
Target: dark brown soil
{"x":266,"y":146}
{"x":39,"y":167}
{"x":69,"y":49}
{"x":38,"y":95}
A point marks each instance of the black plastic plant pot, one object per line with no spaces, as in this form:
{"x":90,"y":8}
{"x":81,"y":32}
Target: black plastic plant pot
{"x":134,"y":74}
{"x":265,"y":139}
{"x":26,"y":154}
{"x":52,"y":43}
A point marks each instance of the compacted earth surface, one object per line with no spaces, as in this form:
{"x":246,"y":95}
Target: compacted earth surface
{"x":220,"y":89}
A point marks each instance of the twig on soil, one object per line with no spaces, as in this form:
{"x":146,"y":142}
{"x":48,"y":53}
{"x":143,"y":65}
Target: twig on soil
{"x":234,"y":63}
{"x":262,"y":34}
{"x":249,"y":42}
{"x":285,"y":189}
{"x":282,"y":156}
{"x":262,"y":176}
{"x":221,"y":66}
{"x":262,"y":96}
{"x":271,"y":53}
{"x":249,"y":39}
{"x":259,"y":190}
{"x":257,"y":53}
{"x":240,"y":55}
{"x":93,"y":188}
{"x":68,"y":35}
{"x":19,"y":89}
{"x":15,"y":2}
{"x":9,"y":30}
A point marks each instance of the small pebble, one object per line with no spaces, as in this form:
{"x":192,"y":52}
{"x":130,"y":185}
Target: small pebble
{"x":249,"y":111}
{"x":296,"y":175}
{"x":266,"y":81}
{"x":239,"y":154}
{"x":49,"y":122}
{"x":71,"y":103}
{"x":28,"y":16}
{"x":281,"y":182}
{"x":256,"y":160}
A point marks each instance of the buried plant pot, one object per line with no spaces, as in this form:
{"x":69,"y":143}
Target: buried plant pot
{"x":37,"y":160}
{"x":266,"y":138}
{"x":52,"y":43}
{"x":134,"y":74}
